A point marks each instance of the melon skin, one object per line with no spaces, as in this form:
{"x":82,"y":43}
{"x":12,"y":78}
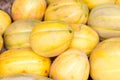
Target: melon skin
{"x":104,"y":60}
{"x":70,"y":65}
{"x":118,"y":2}
{"x":17,"y":35}
{"x":104,"y":19}
{"x":85,"y":38}
{"x":23,"y":9}
{"x":70,"y":11}
{"x":5,"y":21}
{"x":94,"y":3}
{"x":51,"y":38}
{"x":23,"y":61}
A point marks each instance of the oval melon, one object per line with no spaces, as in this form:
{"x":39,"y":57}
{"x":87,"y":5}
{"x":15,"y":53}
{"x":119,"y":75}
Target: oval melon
{"x":104,"y":60}
{"x":70,"y":65}
{"x":23,"y":9}
{"x":105,"y":20}
{"x":23,"y":61}
{"x":50,"y":38}
{"x":17,"y":35}
{"x":70,"y":11}
{"x":85,"y":38}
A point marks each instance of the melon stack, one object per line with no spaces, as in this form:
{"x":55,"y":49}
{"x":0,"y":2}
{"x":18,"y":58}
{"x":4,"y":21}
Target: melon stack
{"x":60,"y":40}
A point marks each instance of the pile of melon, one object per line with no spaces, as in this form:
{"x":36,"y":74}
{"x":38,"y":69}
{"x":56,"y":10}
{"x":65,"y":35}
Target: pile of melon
{"x":60,"y":40}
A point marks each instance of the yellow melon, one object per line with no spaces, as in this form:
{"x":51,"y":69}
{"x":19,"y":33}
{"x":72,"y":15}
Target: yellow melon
{"x":17,"y":35}
{"x":23,"y":61}
{"x":85,"y":38}
{"x":5,"y":21}
{"x":104,"y":60}
{"x":22,"y":9}
{"x":70,"y":11}
{"x":105,"y":19}
{"x":50,"y":38}
{"x":70,"y":65}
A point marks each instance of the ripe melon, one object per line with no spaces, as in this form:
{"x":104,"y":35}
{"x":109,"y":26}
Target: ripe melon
{"x":70,"y":65}
{"x":85,"y":38}
{"x":70,"y":11}
{"x":50,"y":38}
{"x":17,"y":35}
{"x":23,"y":61}
{"x":104,"y":60}
{"x":5,"y":21}
{"x":23,"y":9}
{"x":105,"y":19}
